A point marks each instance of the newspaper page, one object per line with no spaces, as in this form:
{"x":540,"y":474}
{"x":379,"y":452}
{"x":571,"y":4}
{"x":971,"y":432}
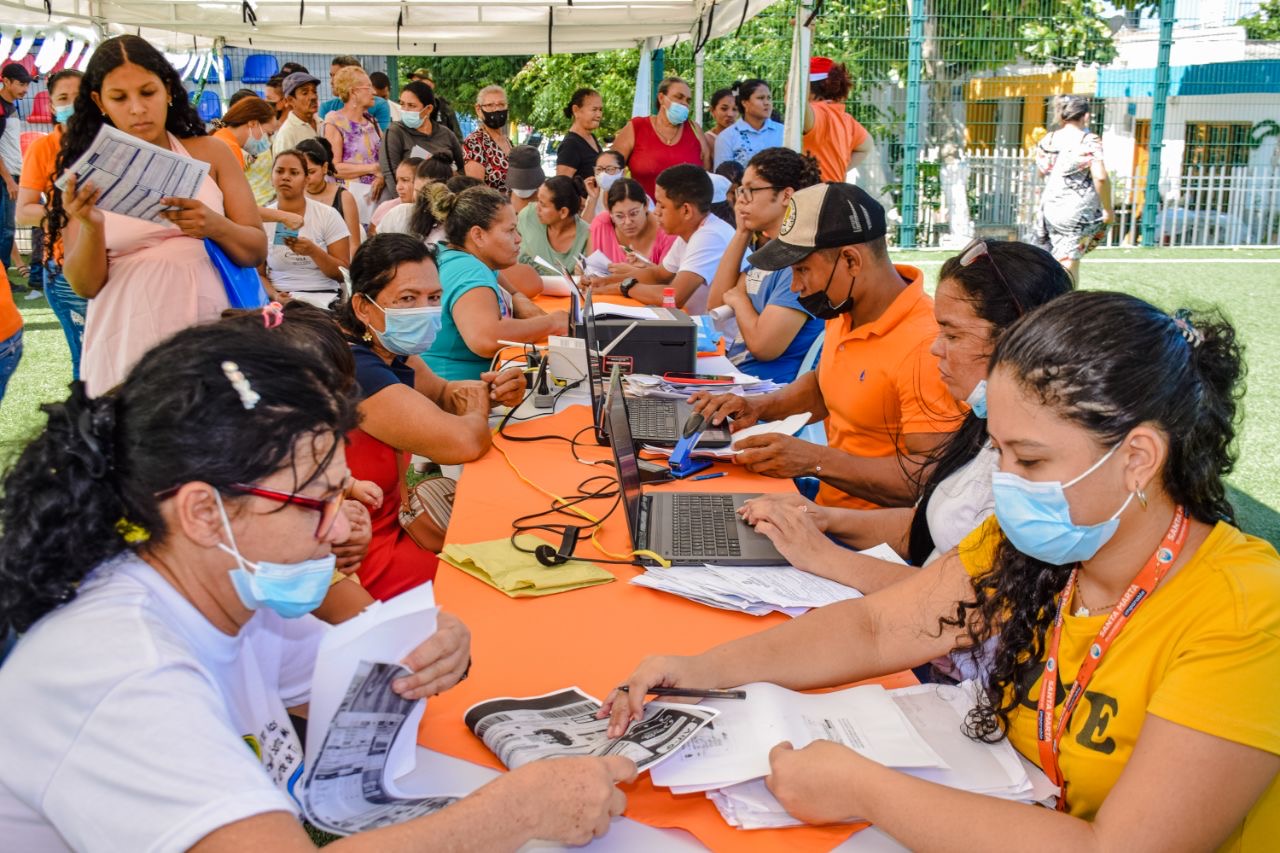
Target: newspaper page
{"x":564,"y":723}
{"x":134,"y":175}
{"x":345,"y":792}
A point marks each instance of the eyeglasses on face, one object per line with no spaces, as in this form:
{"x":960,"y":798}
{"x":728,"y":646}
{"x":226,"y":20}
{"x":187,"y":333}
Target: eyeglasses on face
{"x":746,"y":193}
{"x":329,"y":507}
{"x":621,"y":216}
{"x":979,"y":249}
{"x":608,"y":170}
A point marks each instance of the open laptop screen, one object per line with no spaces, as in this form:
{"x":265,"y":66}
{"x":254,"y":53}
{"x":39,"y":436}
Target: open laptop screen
{"x":624,"y":451}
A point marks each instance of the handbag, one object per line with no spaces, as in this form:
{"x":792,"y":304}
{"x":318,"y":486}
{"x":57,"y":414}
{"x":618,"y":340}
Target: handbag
{"x":425,"y":510}
{"x":244,"y":288}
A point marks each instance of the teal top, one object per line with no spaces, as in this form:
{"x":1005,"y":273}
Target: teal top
{"x":460,"y":272}
{"x":533,"y":241}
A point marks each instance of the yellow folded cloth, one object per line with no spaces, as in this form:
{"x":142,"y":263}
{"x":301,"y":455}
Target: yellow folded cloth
{"x":499,"y":564}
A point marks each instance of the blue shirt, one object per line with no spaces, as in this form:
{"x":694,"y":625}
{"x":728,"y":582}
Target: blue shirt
{"x":373,"y":374}
{"x":774,"y":288}
{"x":460,"y":272}
{"x":740,"y":141}
{"x":381,"y":110}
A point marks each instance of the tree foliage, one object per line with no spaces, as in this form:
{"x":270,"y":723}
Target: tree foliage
{"x":1264,"y":24}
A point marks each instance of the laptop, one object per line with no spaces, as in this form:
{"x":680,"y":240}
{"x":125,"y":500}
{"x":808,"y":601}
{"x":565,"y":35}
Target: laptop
{"x":687,"y":528}
{"x":653,"y":421}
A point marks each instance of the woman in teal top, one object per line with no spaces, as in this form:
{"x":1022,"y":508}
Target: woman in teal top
{"x":551,"y":228}
{"x":480,"y":239}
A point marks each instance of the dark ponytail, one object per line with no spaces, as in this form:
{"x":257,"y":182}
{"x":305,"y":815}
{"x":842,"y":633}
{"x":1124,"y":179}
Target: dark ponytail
{"x":577,"y":100}
{"x":567,"y":192}
{"x":1108,"y":362}
{"x":84,"y":490}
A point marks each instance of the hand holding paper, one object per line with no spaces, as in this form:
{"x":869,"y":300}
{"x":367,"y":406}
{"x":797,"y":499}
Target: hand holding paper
{"x":439,"y":662}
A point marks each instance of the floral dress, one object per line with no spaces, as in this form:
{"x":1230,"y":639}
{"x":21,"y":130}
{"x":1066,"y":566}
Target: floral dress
{"x":1070,"y":215}
{"x":479,"y":147}
{"x":360,"y":144}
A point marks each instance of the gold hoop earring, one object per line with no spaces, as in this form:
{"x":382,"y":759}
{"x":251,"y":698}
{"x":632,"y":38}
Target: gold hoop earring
{"x":1142,"y":497}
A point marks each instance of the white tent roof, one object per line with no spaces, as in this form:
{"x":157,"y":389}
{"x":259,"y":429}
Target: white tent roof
{"x":439,"y":27}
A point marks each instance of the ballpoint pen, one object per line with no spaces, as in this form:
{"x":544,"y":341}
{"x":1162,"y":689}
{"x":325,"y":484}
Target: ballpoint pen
{"x":691,"y":693}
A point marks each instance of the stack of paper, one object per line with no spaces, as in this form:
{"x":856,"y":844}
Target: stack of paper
{"x":649,"y":385}
{"x":789,"y":425}
{"x":936,"y":712}
{"x":755,"y":589}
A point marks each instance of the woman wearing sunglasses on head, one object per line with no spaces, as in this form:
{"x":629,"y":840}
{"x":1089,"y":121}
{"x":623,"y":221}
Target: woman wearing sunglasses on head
{"x":981,"y":293}
{"x":164,"y":585}
{"x":1111,"y":565}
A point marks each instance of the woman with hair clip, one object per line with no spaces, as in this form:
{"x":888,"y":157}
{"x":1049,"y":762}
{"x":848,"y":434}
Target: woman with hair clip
{"x":307,"y":263}
{"x":392,"y":317}
{"x":145,"y":281}
{"x":650,"y":144}
{"x":755,"y":130}
{"x":834,"y":137}
{"x":165,"y":587}
{"x":323,"y":186}
{"x":774,"y":333}
{"x":576,"y":156}
{"x":481,"y":238}
{"x":1112,"y":565}
{"x":551,"y":228}
{"x":981,"y":293}
{"x":724,"y":112}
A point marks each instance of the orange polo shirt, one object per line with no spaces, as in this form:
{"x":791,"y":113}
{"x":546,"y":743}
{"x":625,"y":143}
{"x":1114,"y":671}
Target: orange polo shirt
{"x":226,"y":135}
{"x":37,"y":170}
{"x":832,"y":139}
{"x":880,"y":383}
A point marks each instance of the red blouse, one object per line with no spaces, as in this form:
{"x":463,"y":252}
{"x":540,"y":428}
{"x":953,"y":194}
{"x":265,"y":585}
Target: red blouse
{"x":651,"y":155}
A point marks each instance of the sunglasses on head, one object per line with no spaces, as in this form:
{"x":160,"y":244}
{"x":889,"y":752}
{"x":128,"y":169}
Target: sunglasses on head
{"x":979,"y":249}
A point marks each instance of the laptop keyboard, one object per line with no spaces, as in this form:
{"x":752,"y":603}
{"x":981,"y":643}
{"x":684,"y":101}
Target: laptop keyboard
{"x":651,"y":419}
{"x":705,"y":526}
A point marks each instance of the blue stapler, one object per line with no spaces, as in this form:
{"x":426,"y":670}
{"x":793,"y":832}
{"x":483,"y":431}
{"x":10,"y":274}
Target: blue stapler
{"x":682,"y":464}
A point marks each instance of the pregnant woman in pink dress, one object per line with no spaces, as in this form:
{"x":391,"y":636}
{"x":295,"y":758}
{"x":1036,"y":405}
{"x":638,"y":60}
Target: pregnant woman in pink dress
{"x":145,"y":280}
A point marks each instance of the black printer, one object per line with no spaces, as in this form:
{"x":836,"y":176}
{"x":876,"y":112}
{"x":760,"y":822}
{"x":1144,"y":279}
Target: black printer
{"x":668,"y":344}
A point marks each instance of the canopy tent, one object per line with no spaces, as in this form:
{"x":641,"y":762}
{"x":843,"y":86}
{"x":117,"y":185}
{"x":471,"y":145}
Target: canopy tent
{"x":434,"y":27}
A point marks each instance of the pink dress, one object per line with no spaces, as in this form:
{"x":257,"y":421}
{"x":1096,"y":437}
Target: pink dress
{"x":159,"y":281}
{"x":605,"y":240}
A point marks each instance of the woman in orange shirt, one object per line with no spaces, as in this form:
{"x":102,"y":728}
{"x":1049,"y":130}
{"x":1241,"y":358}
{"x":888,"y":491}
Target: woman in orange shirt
{"x":247,"y":129}
{"x":831,"y":135}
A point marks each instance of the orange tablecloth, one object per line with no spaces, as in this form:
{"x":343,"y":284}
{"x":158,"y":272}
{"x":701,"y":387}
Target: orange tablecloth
{"x":592,"y":637}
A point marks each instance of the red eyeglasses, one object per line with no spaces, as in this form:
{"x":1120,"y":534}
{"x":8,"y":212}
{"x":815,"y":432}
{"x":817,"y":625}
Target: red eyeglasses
{"x":327,"y":507}
{"x":979,"y":249}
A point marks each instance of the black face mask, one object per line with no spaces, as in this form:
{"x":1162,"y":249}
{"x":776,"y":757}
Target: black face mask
{"x":820,"y":305}
{"x":495,"y":120}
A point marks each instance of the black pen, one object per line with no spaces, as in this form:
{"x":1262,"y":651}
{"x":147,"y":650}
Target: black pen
{"x":691,"y":693}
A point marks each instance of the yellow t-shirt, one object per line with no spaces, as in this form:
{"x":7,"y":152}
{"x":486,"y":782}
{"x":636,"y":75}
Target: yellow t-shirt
{"x":1202,"y":652}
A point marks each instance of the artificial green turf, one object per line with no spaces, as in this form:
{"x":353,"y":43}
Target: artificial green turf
{"x":1249,"y":294}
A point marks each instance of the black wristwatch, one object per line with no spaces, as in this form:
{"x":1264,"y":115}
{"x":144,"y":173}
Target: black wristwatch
{"x":625,"y":287}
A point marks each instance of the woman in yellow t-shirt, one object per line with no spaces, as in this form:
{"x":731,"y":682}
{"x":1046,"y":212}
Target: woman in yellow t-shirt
{"x":1111,"y":555}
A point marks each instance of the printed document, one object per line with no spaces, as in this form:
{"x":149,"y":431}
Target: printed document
{"x":564,"y":723}
{"x":134,"y":175}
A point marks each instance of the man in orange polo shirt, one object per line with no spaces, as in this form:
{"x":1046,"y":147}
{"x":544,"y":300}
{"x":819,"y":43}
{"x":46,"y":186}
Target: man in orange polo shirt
{"x":876,"y":385}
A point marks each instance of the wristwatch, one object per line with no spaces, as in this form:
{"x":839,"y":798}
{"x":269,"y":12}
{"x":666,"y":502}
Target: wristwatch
{"x":625,"y":287}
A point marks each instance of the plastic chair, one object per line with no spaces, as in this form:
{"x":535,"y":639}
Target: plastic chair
{"x":811,"y":357}
{"x":210,"y":106}
{"x":28,"y":137}
{"x":224,"y":73}
{"x":41,"y":112}
{"x":259,"y":68}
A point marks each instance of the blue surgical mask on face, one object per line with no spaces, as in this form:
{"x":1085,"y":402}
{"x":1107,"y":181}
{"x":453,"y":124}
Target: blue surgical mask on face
{"x":677,"y":113}
{"x":63,"y":114}
{"x":1036,"y":518}
{"x":977,"y":399}
{"x":290,"y":589}
{"x":411,"y":120}
{"x":410,"y":331}
{"x":257,"y":145}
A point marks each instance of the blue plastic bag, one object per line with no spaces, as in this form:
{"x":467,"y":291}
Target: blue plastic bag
{"x":244,"y":288}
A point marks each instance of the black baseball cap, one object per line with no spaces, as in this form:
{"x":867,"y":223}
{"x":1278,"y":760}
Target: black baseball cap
{"x":823,"y":216}
{"x":15,"y":71}
{"x":524,"y":169}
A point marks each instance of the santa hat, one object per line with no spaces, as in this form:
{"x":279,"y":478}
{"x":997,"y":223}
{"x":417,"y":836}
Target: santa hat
{"x":819,"y":68}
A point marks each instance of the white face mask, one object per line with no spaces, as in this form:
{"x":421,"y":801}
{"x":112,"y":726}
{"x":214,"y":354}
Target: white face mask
{"x":605,"y":180}
{"x":525,"y":193}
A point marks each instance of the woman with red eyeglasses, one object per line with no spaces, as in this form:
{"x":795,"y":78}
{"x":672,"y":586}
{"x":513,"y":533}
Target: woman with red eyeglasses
{"x":163,"y":548}
{"x":981,"y":292}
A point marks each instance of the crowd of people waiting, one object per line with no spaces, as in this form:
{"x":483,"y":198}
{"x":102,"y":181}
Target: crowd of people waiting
{"x":1048,"y":463}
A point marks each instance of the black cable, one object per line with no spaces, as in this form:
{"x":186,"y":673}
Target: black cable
{"x":610,"y":489}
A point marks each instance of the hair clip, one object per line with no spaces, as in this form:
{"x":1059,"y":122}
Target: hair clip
{"x":1192,"y":335}
{"x":248,"y":397}
{"x":272,"y":315}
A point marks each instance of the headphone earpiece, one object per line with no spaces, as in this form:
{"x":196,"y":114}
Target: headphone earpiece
{"x":550,"y":557}
{"x":547,"y":556}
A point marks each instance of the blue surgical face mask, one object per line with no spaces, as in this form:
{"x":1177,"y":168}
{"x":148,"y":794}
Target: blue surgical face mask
{"x":411,"y":120}
{"x":977,"y":399}
{"x":1036,"y":518}
{"x":290,"y":589}
{"x":677,"y":113}
{"x":257,"y":145}
{"x":63,"y":114}
{"x":410,"y":331}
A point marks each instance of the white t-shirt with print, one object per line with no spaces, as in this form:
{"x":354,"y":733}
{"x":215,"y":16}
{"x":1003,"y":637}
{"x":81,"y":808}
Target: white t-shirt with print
{"x":128,"y":722}
{"x":397,"y":222}
{"x":290,"y":272}
{"x":700,"y":255}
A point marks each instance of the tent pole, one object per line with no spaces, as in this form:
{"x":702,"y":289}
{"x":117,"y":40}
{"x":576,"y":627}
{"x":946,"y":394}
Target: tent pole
{"x":797,"y":92}
{"x":393,"y":74}
{"x":698,"y":87}
{"x":1155,"y":144}
{"x":655,"y":77}
{"x":911,"y":133}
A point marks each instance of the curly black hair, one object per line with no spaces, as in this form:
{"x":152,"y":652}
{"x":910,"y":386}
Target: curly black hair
{"x":181,"y":120}
{"x":783,"y":167}
{"x":95,"y":470}
{"x":1108,"y":362}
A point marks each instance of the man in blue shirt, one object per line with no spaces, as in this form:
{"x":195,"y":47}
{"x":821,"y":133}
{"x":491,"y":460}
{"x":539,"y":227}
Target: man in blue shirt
{"x":380,"y":111}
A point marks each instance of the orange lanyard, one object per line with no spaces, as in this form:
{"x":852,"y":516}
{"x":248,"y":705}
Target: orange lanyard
{"x":1050,"y":734}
